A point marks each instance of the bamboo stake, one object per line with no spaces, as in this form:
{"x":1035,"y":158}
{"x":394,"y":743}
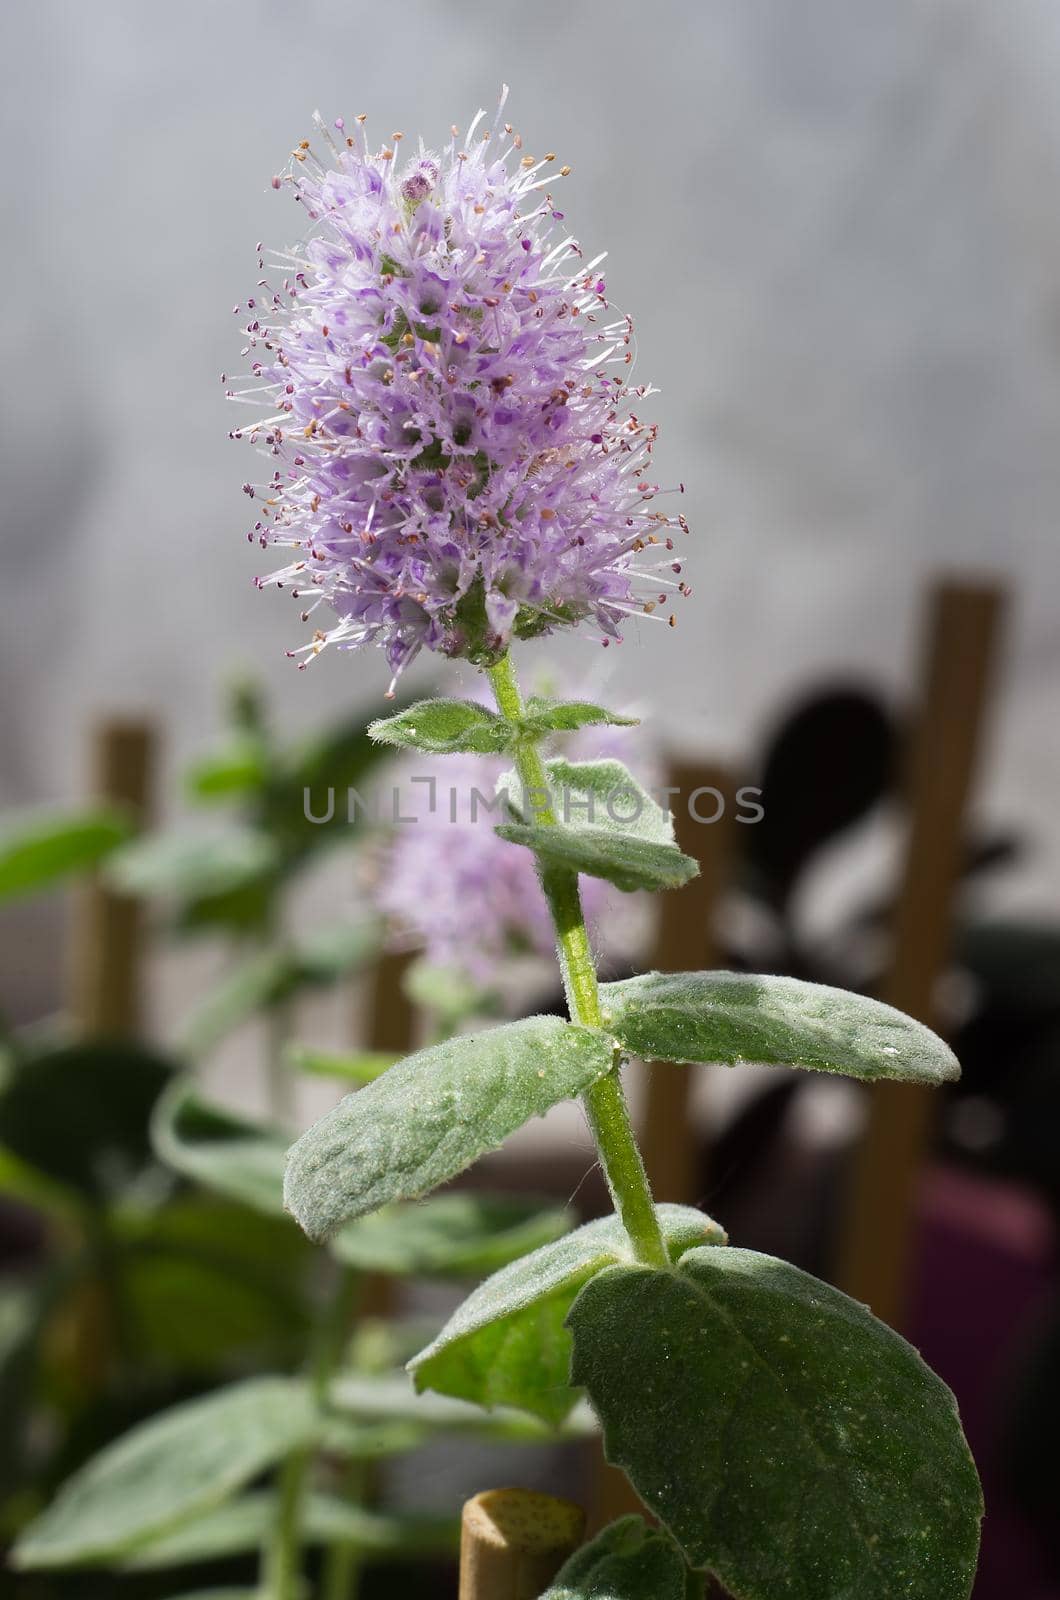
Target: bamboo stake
{"x":514,"y":1541}
{"x":107,"y":947}
{"x":960,"y":650}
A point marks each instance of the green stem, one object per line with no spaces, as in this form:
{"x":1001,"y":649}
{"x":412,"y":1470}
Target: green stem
{"x":282,"y":1564}
{"x":283,"y":1555}
{"x":604,"y":1101}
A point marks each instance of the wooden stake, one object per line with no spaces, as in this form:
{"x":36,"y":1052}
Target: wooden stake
{"x":686,"y":942}
{"x":391,"y":1027}
{"x":514,"y":1541}
{"x":961,"y":644}
{"x":107,"y":954}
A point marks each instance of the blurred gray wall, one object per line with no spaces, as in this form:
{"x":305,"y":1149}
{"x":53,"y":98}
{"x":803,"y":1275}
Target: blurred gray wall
{"x":835,"y":222}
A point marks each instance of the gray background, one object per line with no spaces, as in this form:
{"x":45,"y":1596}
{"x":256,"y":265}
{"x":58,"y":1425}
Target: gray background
{"x":834,"y":221}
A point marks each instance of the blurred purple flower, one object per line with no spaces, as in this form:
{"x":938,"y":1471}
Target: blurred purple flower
{"x":456,"y":457}
{"x":453,"y":890}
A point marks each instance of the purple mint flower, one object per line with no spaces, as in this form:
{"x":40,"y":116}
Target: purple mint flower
{"x":456,"y":457}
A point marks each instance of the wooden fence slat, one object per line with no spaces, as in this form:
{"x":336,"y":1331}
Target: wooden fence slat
{"x":106,"y":977}
{"x":960,"y":652}
{"x":514,"y":1541}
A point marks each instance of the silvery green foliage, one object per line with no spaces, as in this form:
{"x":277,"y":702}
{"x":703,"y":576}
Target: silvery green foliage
{"x":169,"y":1469}
{"x":508,"y":1344}
{"x":433,"y":1114}
{"x":608,"y":826}
{"x":627,"y":1561}
{"x":732,"y":1017}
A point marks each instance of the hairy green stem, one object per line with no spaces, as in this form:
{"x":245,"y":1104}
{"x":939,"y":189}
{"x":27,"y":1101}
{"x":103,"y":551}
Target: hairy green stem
{"x":604,"y":1101}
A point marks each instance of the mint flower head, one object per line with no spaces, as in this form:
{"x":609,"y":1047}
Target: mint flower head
{"x":456,"y":455}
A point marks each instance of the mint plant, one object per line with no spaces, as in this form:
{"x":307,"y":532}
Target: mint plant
{"x":458,"y":462}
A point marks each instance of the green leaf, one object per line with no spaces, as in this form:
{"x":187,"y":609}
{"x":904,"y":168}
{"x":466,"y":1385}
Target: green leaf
{"x":240,"y":769}
{"x":80,"y":1115}
{"x":450,"y":1235}
{"x":332,"y":763}
{"x":39,"y":849}
{"x":389,"y":1399}
{"x":734,"y":1017}
{"x":445,"y":727}
{"x":241,"y":1526}
{"x":608,"y":827}
{"x":186,"y":866}
{"x":184,"y":1461}
{"x":433,"y":1114}
{"x":564,"y":716}
{"x":627,"y":1561}
{"x":219,"y":1149}
{"x":362,"y":1066}
{"x":508,"y":1343}
{"x":273,"y":976}
{"x":221,"y":1594}
{"x":791,"y":1443}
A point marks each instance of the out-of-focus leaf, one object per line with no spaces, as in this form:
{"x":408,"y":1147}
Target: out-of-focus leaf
{"x":163,"y":1472}
{"x":731,"y":1017}
{"x":239,"y":770}
{"x":196,"y":1316}
{"x":382,"y":1399}
{"x":271,"y":977}
{"x":221,"y":1150}
{"x":450,"y":1234}
{"x":40,"y":848}
{"x":429,"y":1117}
{"x":181,"y":867}
{"x":360,"y":1066}
{"x":80,"y":1115}
{"x":242,"y":1524}
{"x":320,"y":772}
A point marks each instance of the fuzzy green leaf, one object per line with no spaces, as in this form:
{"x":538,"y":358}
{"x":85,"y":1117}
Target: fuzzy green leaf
{"x":450,"y":1234}
{"x":446,"y":727}
{"x":433,"y":1114}
{"x":219,"y":1149}
{"x":37,"y":850}
{"x":184,"y":1461}
{"x":791,"y":1443}
{"x":735,"y":1017}
{"x":508,"y":1344}
{"x":564,"y":716}
{"x":627,"y":1561}
{"x":608,"y":826}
